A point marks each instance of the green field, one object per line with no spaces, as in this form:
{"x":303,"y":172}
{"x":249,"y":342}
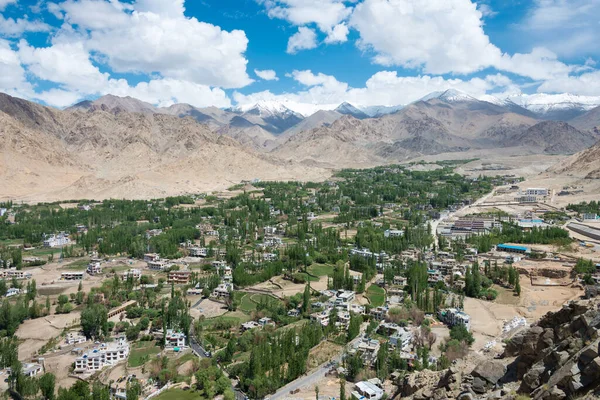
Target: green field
{"x":141,"y":352}
{"x":78,"y":265}
{"x":248,"y":301}
{"x":178,"y":394}
{"x":321,"y":269}
{"x":376,"y":295}
{"x":236,"y":318}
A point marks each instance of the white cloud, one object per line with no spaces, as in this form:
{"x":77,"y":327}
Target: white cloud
{"x":166,"y":92}
{"x":4,"y":3}
{"x":304,"y":39}
{"x":567,"y":27}
{"x":338,"y":34}
{"x":383,"y":88}
{"x":439,"y":35}
{"x":585,"y":84}
{"x":12,"y":74}
{"x":266,"y":74}
{"x":154,"y":36}
{"x":324,"y":13}
{"x":67,"y":64}
{"x":16,"y":27}
{"x":58,"y":97}
{"x":486,"y":10}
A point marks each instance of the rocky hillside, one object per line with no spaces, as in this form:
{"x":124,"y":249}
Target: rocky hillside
{"x":589,"y":121}
{"x":555,"y":137}
{"x":101,"y":152}
{"x":584,"y":164}
{"x":557,"y":358}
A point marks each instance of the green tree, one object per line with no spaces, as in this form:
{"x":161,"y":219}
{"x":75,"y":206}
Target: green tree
{"x":47,"y":384}
{"x":306,"y":299}
{"x":94,"y":321}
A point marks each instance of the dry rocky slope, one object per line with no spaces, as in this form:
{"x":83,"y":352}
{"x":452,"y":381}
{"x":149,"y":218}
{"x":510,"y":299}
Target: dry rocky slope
{"x":557,"y":358}
{"x":585,"y":164}
{"x":104,"y":152}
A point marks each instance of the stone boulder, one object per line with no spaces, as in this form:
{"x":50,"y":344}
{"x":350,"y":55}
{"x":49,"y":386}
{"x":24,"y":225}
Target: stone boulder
{"x":490,"y":370}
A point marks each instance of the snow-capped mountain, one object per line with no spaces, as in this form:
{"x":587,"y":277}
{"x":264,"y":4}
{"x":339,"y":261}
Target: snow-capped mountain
{"x":278,"y":107}
{"x":379,"y":111}
{"x":556,"y":106}
{"x":449,"y":96}
{"x":348,"y":109}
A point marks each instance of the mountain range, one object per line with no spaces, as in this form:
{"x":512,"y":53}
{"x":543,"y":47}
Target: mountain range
{"x":124,"y":147}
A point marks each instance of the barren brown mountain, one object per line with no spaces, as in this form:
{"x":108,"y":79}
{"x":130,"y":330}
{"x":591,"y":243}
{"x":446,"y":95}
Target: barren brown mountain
{"x":49,"y":154}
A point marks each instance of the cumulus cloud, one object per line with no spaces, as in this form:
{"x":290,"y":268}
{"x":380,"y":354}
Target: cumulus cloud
{"x":16,"y":27}
{"x":304,"y":39}
{"x":4,"y":3}
{"x":584,"y":84}
{"x":325,"y":14}
{"x":184,"y":60}
{"x":442,"y":36}
{"x":266,"y":74}
{"x":338,"y":34}
{"x":12,"y":74}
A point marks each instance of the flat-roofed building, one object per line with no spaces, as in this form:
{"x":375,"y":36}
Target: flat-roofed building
{"x":72,"y":275}
{"x":179,"y":276}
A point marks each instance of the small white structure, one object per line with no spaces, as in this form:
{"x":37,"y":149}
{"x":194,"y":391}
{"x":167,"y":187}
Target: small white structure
{"x":75,"y":338}
{"x":32,"y":369}
{"x":12,"y":292}
{"x":367,"y":390}
{"x":320,"y":317}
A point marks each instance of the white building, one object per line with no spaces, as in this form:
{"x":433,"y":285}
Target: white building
{"x":393,"y":233}
{"x":32,"y":369}
{"x":344,"y":297}
{"x":157,"y":265}
{"x":367,"y":390}
{"x":453,"y":317}
{"x":320,"y":317}
{"x":94,"y":268}
{"x":133,"y":272}
{"x":222,"y":291}
{"x":174,"y":339}
{"x":103,"y":356}
{"x":61,"y":239}
{"x":75,"y":338}
{"x":536,"y":192}
{"x":198,"y":252}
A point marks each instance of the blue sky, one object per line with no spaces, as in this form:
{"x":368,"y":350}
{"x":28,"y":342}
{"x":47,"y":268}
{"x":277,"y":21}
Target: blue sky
{"x":311,"y":52}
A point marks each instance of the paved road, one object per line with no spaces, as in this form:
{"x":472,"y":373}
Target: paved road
{"x":198,"y":349}
{"x":315,"y":376}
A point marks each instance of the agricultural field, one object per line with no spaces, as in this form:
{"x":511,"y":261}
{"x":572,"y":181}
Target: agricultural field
{"x":376,"y":295}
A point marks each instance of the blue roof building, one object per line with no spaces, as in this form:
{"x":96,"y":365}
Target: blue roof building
{"x":513,"y":249}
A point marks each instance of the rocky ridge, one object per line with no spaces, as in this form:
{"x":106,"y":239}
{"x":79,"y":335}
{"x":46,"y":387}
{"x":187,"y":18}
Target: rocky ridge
{"x":557,"y":358}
